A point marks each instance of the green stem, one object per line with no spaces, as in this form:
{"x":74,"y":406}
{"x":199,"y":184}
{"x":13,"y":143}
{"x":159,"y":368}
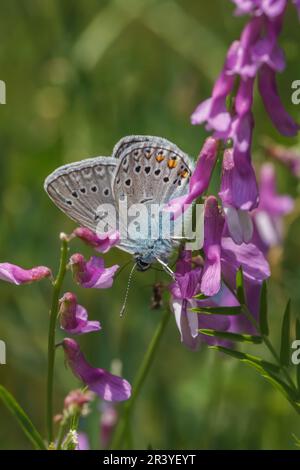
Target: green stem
{"x":57,"y":285}
{"x":61,"y":434}
{"x":123,"y":424}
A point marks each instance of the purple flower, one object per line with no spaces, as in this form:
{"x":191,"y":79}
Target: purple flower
{"x":284,"y":123}
{"x":272,"y":207}
{"x":83,"y":441}
{"x":255,"y":270}
{"x":239,"y":194}
{"x":108,"y":421}
{"x":187,"y":285}
{"x":200,"y":178}
{"x":286,"y":156}
{"x":101,"y":243}
{"x":213,"y":229}
{"x":73,"y":317}
{"x":92,"y":273}
{"x":108,"y":386}
{"x":17,"y":275}
{"x":76,"y":400}
{"x":270,"y":8}
{"x":214,"y":110}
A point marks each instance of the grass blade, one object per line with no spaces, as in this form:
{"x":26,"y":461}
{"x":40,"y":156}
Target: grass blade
{"x":22,"y":418}
{"x":285,"y":349}
{"x":231,"y":336}
{"x":263,"y":310}
{"x":218,"y":310}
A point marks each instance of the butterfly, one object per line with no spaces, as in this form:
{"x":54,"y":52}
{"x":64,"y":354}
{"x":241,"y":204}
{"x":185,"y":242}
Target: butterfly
{"x":143,"y":169}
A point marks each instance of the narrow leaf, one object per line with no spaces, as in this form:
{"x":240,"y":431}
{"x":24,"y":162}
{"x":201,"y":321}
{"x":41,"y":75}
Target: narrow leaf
{"x":263,"y":310}
{"x":218,"y":310}
{"x":249,"y":359}
{"x":285,"y":349}
{"x":200,"y":297}
{"x":267,"y":370}
{"x":240,"y":289}
{"x":22,"y":418}
{"x":231,"y":336}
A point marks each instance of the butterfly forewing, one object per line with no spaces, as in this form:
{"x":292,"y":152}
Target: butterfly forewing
{"x":151,"y":172}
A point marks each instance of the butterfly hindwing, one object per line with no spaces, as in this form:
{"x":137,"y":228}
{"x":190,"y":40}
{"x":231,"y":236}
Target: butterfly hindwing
{"x":78,"y":189}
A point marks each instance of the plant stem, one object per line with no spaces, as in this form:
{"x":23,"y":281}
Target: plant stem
{"x":57,"y":285}
{"x":121,"y":429}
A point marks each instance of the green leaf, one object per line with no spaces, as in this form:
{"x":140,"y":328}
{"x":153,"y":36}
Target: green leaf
{"x":255,"y":361}
{"x":231,"y":336}
{"x":200,"y":297}
{"x":22,"y":418}
{"x":267,"y":370}
{"x":263,"y":310}
{"x":285,"y":349}
{"x":298,"y":365}
{"x":240,"y":289}
{"x":218,"y":310}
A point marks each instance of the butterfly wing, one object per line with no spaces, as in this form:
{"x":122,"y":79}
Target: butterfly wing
{"x":150,"y":169}
{"x":79,"y":189}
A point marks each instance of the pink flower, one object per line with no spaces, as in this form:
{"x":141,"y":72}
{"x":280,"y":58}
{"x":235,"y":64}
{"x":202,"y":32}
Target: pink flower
{"x":284,"y":123}
{"x":200,"y":178}
{"x":17,"y":275}
{"x":92,"y":273}
{"x":102,"y":243}
{"x":108,"y":386}
{"x":78,"y":399}
{"x":73,"y":317}
{"x":186,"y":285}
{"x":239,"y":194}
{"x":288,"y":157}
{"x":213,"y":229}
{"x":269,"y":214}
{"x":108,"y":421}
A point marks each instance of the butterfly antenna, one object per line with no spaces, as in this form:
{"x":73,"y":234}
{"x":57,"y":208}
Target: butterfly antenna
{"x":127,"y":291}
{"x":166,"y":268}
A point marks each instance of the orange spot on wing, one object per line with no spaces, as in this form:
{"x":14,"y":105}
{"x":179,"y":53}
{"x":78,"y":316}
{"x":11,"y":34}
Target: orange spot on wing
{"x":159,"y":157}
{"x":172,"y":162}
{"x":184,"y":174}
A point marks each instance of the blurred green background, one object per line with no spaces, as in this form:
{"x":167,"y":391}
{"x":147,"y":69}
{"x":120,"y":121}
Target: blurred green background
{"x":79,"y":76}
